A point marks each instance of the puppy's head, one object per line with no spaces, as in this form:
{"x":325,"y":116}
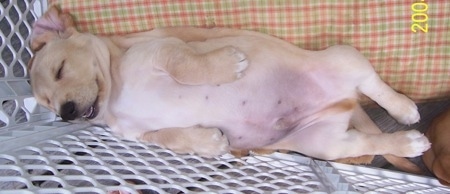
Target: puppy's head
{"x":69,"y":71}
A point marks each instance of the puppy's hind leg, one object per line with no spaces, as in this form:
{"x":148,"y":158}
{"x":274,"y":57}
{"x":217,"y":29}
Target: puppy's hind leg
{"x":403,"y":109}
{"x":401,"y":143}
{"x":329,"y":139}
{"x":362,"y":122}
{"x":357,"y":69}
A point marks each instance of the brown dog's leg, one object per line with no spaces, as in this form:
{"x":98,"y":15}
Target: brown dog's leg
{"x":207,"y":142}
{"x":187,"y":66}
{"x":437,"y":159}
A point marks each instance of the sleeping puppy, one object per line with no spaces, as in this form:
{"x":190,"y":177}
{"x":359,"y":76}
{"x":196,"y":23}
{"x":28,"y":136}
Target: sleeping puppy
{"x":211,"y":91}
{"x":437,"y":159}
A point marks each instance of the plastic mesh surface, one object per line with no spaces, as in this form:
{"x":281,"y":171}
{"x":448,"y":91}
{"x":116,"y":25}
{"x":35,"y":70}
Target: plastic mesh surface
{"x":91,"y":159}
{"x":94,"y":160}
{"x":18,"y":107}
{"x":366,"y":179}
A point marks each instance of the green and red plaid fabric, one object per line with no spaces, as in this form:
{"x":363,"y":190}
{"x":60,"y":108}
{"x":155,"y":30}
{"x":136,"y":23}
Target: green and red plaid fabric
{"x":414,"y":63}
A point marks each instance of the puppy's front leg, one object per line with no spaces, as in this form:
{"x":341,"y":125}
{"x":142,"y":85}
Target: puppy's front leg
{"x":207,"y":142}
{"x":187,"y":66}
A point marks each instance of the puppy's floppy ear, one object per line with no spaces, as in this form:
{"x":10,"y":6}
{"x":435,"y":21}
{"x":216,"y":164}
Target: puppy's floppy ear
{"x":53,"y":24}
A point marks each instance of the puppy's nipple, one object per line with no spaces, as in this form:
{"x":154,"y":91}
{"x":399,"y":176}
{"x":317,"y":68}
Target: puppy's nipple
{"x":281,"y":124}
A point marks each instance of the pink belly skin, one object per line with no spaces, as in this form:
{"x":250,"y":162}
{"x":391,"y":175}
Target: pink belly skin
{"x":248,"y":111}
{"x":271,"y":110}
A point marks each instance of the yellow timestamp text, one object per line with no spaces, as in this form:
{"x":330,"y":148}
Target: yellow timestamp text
{"x":419,"y":17}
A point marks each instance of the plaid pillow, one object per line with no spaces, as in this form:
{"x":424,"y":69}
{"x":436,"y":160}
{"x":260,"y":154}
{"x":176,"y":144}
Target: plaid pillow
{"x":414,"y":63}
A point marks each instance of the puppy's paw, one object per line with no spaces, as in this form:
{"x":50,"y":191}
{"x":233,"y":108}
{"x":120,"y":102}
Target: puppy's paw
{"x":410,"y":143}
{"x":229,"y":64}
{"x":240,"y":61}
{"x":211,"y":142}
{"x":404,"y":111}
{"x":207,"y":142}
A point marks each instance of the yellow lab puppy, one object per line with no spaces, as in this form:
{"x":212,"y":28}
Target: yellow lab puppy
{"x":209,"y":91}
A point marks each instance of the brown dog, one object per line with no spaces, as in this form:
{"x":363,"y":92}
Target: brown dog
{"x":437,"y":159}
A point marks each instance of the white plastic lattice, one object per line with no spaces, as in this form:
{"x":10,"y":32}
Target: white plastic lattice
{"x":18,"y":107}
{"x":91,"y":159}
{"x":39,"y":154}
{"x":365,"y":179}
{"x":94,"y":160}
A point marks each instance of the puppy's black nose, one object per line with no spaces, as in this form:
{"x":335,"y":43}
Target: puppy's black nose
{"x":68,"y":111}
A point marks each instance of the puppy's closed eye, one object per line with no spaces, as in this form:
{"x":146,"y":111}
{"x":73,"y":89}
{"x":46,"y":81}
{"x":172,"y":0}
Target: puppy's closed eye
{"x":59,"y":73}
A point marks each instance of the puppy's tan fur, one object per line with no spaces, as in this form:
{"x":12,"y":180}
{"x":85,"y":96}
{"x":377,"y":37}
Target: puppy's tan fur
{"x":209,"y":91}
{"x":437,"y":159}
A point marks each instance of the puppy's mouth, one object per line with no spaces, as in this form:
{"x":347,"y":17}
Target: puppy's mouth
{"x":92,"y":111}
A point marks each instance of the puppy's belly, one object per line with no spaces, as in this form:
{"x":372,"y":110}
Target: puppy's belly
{"x":254,"y":111}
{"x":247,"y":125}
{"x":249,"y":135}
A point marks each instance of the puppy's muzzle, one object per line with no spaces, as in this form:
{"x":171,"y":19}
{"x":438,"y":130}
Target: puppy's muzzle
{"x":69,"y":111}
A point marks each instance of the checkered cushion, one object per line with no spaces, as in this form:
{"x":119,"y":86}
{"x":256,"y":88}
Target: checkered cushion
{"x":414,"y":63}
